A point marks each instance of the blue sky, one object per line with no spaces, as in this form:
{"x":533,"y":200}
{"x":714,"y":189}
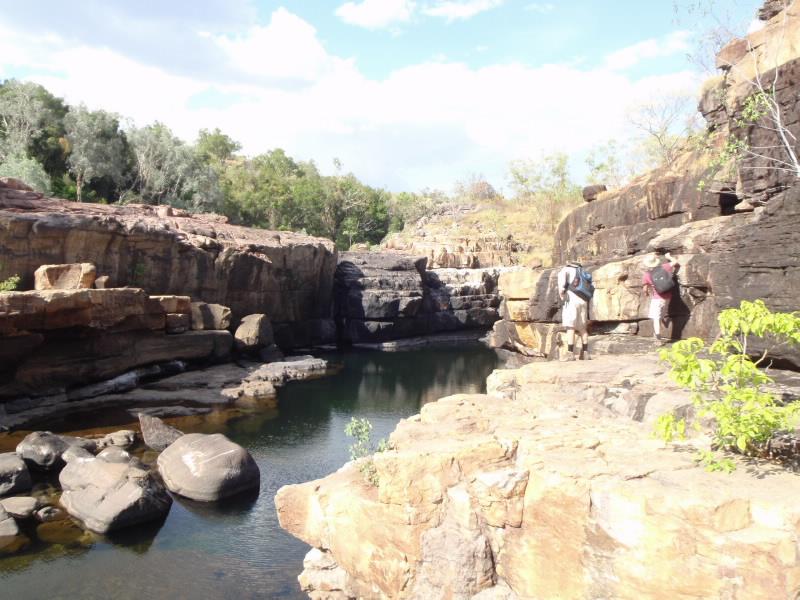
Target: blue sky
{"x":408,"y":94}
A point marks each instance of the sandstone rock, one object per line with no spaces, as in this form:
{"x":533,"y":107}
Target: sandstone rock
{"x":44,"y":450}
{"x":285,"y":275}
{"x":253,"y":333}
{"x":14,"y":475}
{"x":64,"y":277}
{"x":322,"y":578}
{"x":178,"y":323}
{"x":174,"y":304}
{"x":8,"y":526}
{"x":207,"y":316}
{"x":207,"y":467}
{"x":157,"y":435}
{"x":103,"y":282}
{"x":591,"y":192}
{"x":107,"y":496}
{"x":124,"y":438}
{"x":12,"y":183}
{"x":20,"y":507}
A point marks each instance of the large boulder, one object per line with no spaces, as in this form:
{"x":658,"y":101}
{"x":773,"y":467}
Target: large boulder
{"x":74,"y":276}
{"x":254,"y":332}
{"x":14,"y":475}
{"x":44,"y":450}
{"x":157,"y":435}
{"x":20,"y":507}
{"x":207,"y":316}
{"x":111,"y":495}
{"x":207,"y":467}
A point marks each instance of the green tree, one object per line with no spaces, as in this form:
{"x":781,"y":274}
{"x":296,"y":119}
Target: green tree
{"x":24,"y":114}
{"x":97,"y":147}
{"x":215,"y":147}
{"x":28,"y":170}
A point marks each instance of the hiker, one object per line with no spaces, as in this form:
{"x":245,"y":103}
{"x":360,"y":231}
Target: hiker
{"x":575,"y":289}
{"x":658,"y":281}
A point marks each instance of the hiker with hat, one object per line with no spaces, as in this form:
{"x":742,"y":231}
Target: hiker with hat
{"x":658,"y":281}
{"x":575,"y":288}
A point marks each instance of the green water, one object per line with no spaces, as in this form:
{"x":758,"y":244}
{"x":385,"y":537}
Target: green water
{"x":236,"y":549}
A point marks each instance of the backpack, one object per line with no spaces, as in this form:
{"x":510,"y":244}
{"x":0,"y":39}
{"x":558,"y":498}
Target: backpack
{"x":663,"y":280}
{"x":582,"y":284}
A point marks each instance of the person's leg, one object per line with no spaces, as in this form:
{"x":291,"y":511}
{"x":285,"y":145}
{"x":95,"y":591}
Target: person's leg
{"x":654,"y":315}
{"x":568,"y":354}
{"x":585,"y":354}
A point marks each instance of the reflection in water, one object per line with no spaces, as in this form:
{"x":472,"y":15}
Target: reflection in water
{"x":236,"y":549}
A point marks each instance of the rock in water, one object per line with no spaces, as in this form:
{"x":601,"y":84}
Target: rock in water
{"x":20,"y":507}
{"x":44,"y":449}
{"x":14,"y":475}
{"x":111,"y":495}
{"x":8,"y":526}
{"x":157,"y":435}
{"x":207,"y":467}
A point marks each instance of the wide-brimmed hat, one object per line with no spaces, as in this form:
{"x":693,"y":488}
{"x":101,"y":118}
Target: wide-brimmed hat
{"x":651,"y":262}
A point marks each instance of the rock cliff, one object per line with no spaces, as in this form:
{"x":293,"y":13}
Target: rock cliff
{"x":550,"y":486}
{"x":285,"y":275}
{"x":734,"y":229}
{"x":381,"y":296}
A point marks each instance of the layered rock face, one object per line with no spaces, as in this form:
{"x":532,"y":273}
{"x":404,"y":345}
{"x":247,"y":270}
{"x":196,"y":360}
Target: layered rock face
{"x":381,"y":296}
{"x":734,"y":230}
{"x":459,"y":252}
{"x":549,"y":487}
{"x":167,"y":251}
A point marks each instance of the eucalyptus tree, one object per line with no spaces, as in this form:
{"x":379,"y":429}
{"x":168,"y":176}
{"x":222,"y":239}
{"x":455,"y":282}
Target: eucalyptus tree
{"x":97,"y":147}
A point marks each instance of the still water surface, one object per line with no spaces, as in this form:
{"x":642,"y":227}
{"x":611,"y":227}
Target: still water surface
{"x":236,"y":549}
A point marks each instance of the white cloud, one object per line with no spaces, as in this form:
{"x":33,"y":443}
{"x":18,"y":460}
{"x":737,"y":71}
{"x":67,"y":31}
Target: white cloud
{"x":376,"y":14}
{"x":453,"y":10}
{"x":541,"y":7}
{"x":669,"y":45}
{"x":424,"y":125}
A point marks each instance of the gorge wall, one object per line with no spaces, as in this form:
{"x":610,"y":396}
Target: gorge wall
{"x":735,"y":229}
{"x":285,"y":275}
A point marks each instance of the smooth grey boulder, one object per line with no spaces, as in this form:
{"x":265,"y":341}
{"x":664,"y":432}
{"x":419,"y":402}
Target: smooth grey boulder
{"x":111,"y":495}
{"x":8,"y":526}
{"x":44,"y":449}
{"x":254,"y":332}
{"x":207,"y":467}
{"x":76,"y":453}
{"x":20,"y":507}
{"x":207,"y":316}
{"x":14,"y":474}
{"x":157,"y":435}
{"x":114,"y":454}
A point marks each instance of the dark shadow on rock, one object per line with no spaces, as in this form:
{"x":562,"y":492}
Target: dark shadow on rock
{"x":238,"y":504}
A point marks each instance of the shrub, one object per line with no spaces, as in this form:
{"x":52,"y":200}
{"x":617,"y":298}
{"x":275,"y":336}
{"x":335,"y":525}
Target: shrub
{"x":362,"y":449}
{"x":728,"y":385}
{"x":10,"y":284}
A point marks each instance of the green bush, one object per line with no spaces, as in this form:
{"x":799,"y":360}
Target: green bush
{"x":362,"y":449}
{"x":10,"y":284}
{"x":729,"y":386}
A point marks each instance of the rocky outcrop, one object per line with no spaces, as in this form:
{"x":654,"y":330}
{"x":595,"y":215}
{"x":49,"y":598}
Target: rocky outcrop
{"x":64,"y":277}
{"x":550,"y":486}
{"x":381,"y":296}
{"x":733,"y":230}
{"x":207,"y":467}
{"x":289,"y":276}
{"x":459,"y":252}
{"x":14,"y":475}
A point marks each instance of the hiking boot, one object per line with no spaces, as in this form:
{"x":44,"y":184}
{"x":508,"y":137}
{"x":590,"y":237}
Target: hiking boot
{"x":586,"y":356}
{"x":566,"y":357}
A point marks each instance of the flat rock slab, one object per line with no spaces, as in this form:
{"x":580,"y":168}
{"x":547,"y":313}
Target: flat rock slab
{"x":14,"y":475}
{"x":8,"y":526}
{"x":107,"y":496}
{"x":20,"y":507}
{"x":207,"y":467}
{"x":157,"y":435}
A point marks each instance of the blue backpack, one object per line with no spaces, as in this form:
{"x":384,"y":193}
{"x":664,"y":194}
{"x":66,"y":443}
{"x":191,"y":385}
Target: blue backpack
{"x":582,"y":284}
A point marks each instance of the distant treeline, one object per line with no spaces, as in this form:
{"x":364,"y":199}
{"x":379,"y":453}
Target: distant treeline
{"x":90,"y":156}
